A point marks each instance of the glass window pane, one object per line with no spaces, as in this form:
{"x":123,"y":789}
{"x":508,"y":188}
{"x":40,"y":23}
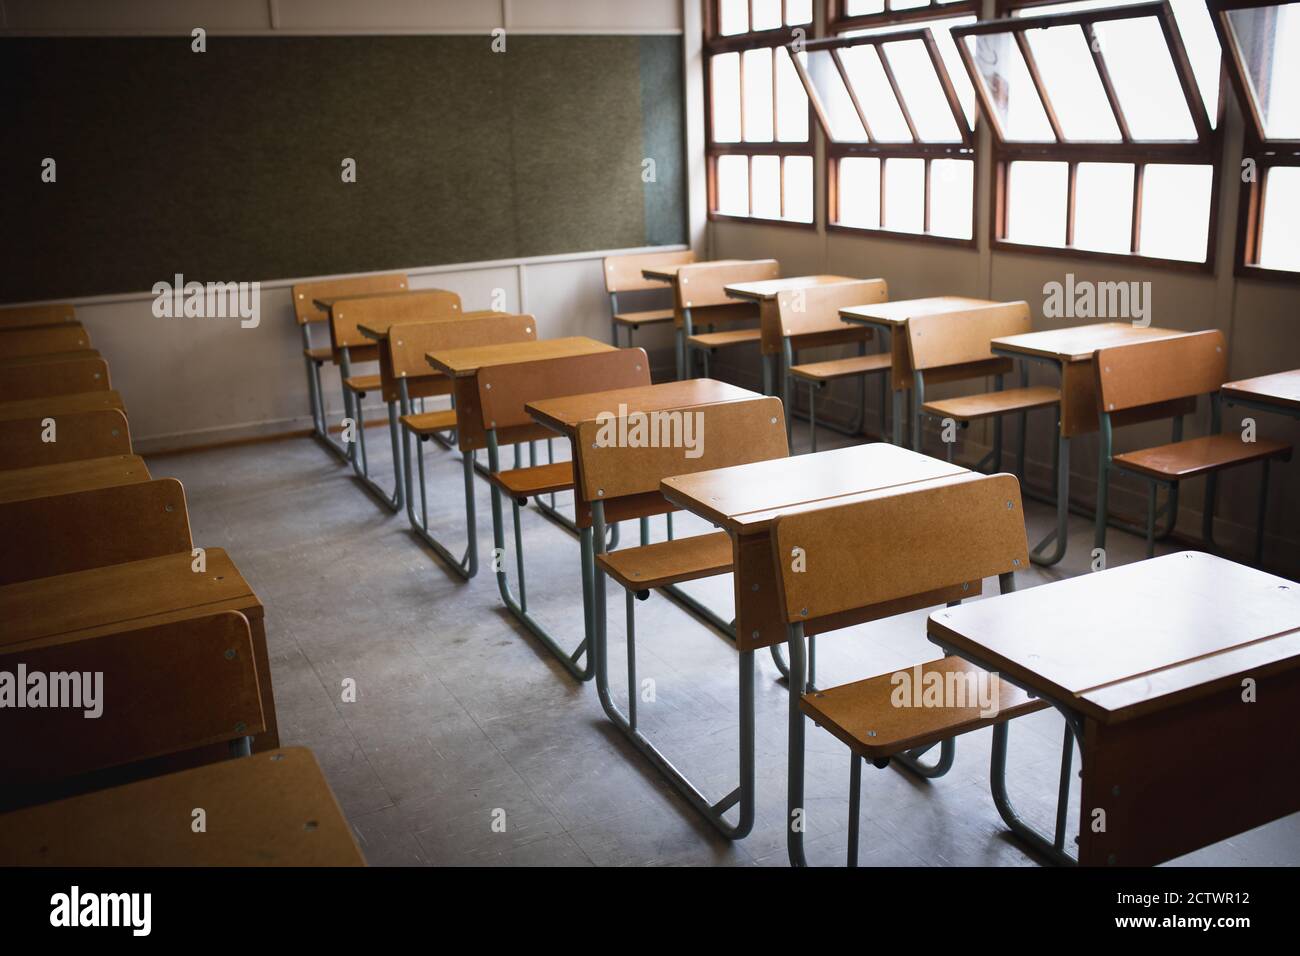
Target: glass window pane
{"x":941,"y":30}
{"x":952,"y":197}
{"x":757,"y":72}
{"x":859,"y":192}
{"x":799,"y":188}
{"x":1140,"y":66}
{"x":1036,"y":203}
{"x":920,"y":86}
{"x":725,"y":94}
{"x":908,"y":4}
{"x":862,"y":64}
{"x":1269,"y":41}
{"x":1072,"y":83}
{"x":1175,"y":211}
{"x":1009,"y":87}
{"x":905,"y":195}
{"x":1279,"y":239}
{"x":766,"y":186}
{"x":733,"y":17}
{"x":733,"y":185}
{"x":767,"y":14}
{"x":798,"y":11}
{"x":857,"y":8}
{"x":791,"y":101}
{"x":1103,"y":207}
{"x":836,"y":106}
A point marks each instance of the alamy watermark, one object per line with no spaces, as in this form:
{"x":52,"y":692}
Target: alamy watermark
{"x":660,"y":429}
{"x":213,"y":300}
{"x":960,"y":689}
{"x":23,"y":689}
{"x":1083,"y":299}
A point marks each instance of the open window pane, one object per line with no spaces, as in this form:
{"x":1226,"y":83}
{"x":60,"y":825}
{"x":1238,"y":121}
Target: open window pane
{"x":767,"y":14}
{"x":1103,"y":207}
{"x":919,"y":83}
{"x":765,"y":171}
{"x":733,"y":17}
{"x":837,"y":110}
{"x":799,"y":188}
{"x":952,"y":197}
{"x":1073,"y":84}
{"x":725,"y":97}
{"x":1036,"y":203}
{"x":1176,"y":211}
{"x":758,"y":95}
{"x":905,"y":195}
{"x":733,"y":185}
{"x":798,"y":11}
{"x":1268,"y":39}
{"x":1145,"y":79}
{"x":941,"y":30}
{"x":858,"y":8}
{"x":908,"y":4}
{"x":1008,"y":87}
{"x":862,"y":64}
{"x":791,"y":101}
{"x":859,"y":192}
{"x":1279,"y":238}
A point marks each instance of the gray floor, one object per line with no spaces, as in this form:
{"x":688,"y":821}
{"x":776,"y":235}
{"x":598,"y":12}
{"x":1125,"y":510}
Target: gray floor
{"x":469,"y":744}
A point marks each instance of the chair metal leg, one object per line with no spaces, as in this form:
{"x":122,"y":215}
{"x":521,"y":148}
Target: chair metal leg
{"x":1151,"y":519}
{"x":467,"y":564}
{"x":1207,"y":509}
{"x":812,"y":414}
{"x":855,"y":806}
{"x":1263,"y":512}
{"x":361,"y":463}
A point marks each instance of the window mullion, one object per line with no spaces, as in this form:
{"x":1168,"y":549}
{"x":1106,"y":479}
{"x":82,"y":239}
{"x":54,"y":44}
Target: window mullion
{"x":1032,"y":66}
{"x":898,"y":93}
{"x":853,"y":96}
{"x":1135,"y":233}
{"x":1107,"y":84}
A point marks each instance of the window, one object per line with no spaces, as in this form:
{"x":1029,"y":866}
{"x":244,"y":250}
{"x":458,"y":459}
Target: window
{"x":1104,"y":125}
{"x":1263,"y":42}
{"x":760,"y":151}
{"x":897,"y":119}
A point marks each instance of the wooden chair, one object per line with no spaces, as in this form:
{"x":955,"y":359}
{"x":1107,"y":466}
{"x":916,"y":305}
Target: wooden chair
{"x":307,"y":313}
{"x":346,"y":338}
{"x":59,"y":375}
{"x":618,"y":482}
{"x":623,"y":274}
{"x":23,"y":484}
{"x":30,"y":316}
{"x":810,"y":318}
{"x":953,"y":346}
{"x":94,"y":434}
{"x":1144,"y":378}
{"x":702,"y":300}
{"x":403,"y":361}
{"x":42,"y":340}
{"x":885,"y":553}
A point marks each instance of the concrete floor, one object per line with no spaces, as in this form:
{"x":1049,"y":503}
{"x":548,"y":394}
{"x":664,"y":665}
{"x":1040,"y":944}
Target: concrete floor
{"x":464,"y":723}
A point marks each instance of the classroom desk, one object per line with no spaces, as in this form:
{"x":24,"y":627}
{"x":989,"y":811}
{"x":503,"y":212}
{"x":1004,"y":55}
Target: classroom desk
{"x":270,"y":809}
{"x":56,"y":405}
{"x":379,"y":331}
{"x":890,"y":318}
{"x":37,"y":316}
{"x":1152,"y":664}
{"x":1070,"y":352}
{"x":22,"y":484}
{"x":667,"y":273}
{"x":152,"y":591}
{"x":1279,"y":392}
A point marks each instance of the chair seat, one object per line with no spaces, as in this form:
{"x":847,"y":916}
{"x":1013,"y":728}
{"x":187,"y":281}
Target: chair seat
{"x":643,"y":318}
{"x":429,"y":423}
{"x":320,"y":353}
{"x":1198,"y":456}
{"x":362,"y":383}
{"x":713,"y":340}
{"x":669,"y":562}
{"x":866,"y":717}
{"x":843,"y":368}
{"x":538,"y":480}
{"x":969,"y":407}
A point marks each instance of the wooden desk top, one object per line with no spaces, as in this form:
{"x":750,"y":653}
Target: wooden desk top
{"x":1077,"y":343}
{"x":746,"y":499}
{"x":379,"y":331}
{"x":899,"y":311}
{"x":1119,"y":643}
{"x":1280,"y":388}
{"x":668,"y":272}
{"x":46,"y":608}
{"x":44,"y":358}
{"x":270,"y":809}
{"x":325,"y":305}
{"x":566,"y":414}
{"x":21,"y":484}
{"x":60,"y":404}
{"x":766,"y":290}
{"x":461,"y":363}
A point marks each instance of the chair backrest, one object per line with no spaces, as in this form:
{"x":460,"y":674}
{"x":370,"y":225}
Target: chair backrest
{"x":897,"y":543}
{"x":60,"y":534}
{"x":504,"y":390}
{"x":704,"y":283}
{"x":629,"y":452}
{"x":24,"y":316}
{"x":98,"y":434}
{"x":421,"y":306}
{"x":1148,"y":373}
{"x":305,"y":294}
{"x":817,"y":308}
{"x":959,"y":338}
{"x":59,"y":376}
{"x":623,"y":273}
{"x":65,"y":337}
{"x":408,"y":345}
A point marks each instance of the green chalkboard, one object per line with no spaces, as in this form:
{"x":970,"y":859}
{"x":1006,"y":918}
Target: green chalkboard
{"x":227,"y":165}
